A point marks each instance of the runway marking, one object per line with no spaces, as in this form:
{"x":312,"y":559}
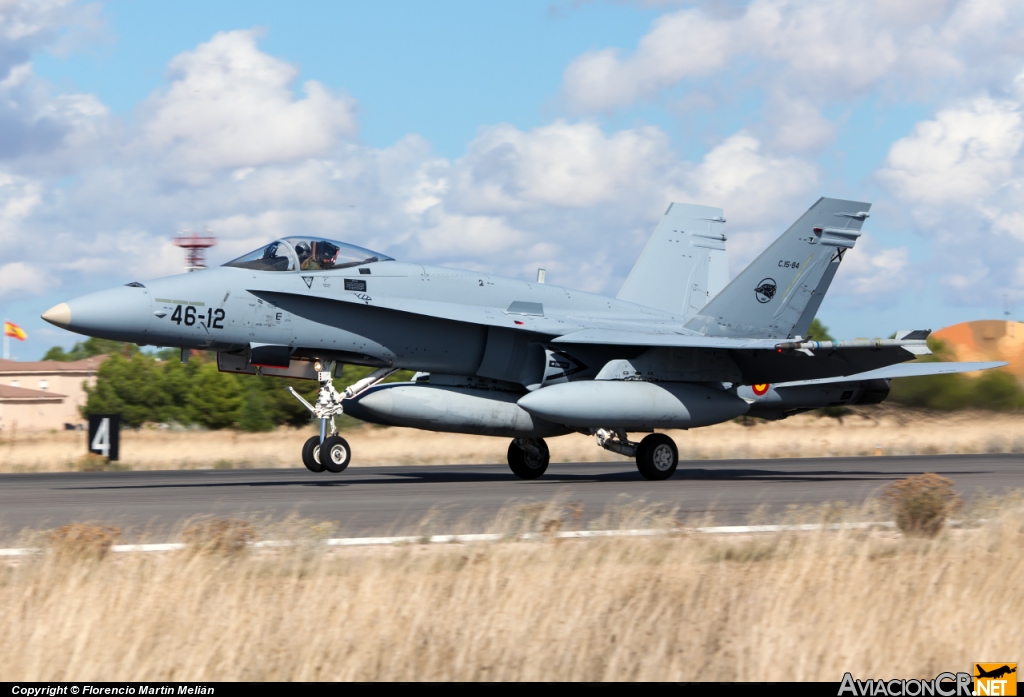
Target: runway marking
{"x":495,"y":537}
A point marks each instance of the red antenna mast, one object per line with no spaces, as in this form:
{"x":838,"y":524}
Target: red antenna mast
{"x":195,"y":246}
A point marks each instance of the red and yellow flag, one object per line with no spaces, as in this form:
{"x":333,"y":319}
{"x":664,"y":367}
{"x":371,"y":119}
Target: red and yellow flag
{"x":12,"y":329}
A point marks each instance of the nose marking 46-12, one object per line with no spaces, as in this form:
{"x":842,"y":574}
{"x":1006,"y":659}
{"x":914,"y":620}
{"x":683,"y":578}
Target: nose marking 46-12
{"x":212,"y":320}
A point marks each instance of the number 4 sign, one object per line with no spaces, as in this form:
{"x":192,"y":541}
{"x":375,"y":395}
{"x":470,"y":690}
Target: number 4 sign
{"x":105,"y":435}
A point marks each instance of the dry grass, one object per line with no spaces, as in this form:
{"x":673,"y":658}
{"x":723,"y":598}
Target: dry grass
{"x":224,"y":536}
{"x":770,"y":607}
{"x":82,"y":541}
{"x":891,"y":430}
{"x":921,"y":504}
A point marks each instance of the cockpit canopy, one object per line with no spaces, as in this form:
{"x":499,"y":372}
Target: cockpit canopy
{"x":306,"y":254}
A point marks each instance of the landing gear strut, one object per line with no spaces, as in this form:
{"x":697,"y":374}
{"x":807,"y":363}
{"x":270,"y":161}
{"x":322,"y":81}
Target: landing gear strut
{"x":656,"y":455}
{"x":329,"y":450}
{"x":528,"y":458}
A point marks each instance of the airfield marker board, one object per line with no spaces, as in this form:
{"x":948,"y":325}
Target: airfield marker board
{"x":105,"y":435}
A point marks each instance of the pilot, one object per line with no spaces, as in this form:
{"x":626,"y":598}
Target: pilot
{"x":305,"y":256}
{"x":325,"y":254}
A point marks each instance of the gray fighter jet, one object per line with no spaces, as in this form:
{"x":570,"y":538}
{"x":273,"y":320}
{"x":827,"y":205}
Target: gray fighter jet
{"x":679,"y":347}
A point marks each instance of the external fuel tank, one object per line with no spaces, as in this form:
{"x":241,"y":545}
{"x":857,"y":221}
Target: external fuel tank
{"x":633,"y":405}
{"x":450,"y":409}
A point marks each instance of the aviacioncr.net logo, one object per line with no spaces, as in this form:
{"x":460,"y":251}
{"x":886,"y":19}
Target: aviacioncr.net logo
{"x":944,"y":685}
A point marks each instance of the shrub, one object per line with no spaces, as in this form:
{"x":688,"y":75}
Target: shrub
{"x":80,"y":541}
{"x":223,"y":536}
{"x":922,"y":503}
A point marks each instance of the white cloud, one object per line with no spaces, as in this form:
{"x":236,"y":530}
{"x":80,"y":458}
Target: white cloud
{"x":20,"y":278}
{"x":228,"y":144}
{"x":839,"y":48}
{"x":961,"y":176}
{"x":561,"y":165}
{"x":230,"y":105}
{"x":679,"y":45}
{"x":871,"y":272}
{"x":959,"y":156}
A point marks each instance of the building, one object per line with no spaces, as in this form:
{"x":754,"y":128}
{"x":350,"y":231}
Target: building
{"x":43,"y":395}
{"x":987,"y":340}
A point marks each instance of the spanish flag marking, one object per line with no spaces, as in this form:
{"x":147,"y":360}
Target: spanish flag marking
{"x":759,"y":390}
{"x":12,"y":329}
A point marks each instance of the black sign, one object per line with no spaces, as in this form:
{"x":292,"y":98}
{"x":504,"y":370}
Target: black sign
{"x":355,"y":284}
{"x":765,"y":290}
{"x":105,"y":435}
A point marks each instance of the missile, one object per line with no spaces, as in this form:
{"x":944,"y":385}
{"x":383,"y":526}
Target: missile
{"x":633,"y":405}
{"x":450,"y":409}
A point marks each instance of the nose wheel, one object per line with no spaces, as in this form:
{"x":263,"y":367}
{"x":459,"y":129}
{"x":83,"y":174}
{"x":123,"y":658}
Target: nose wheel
{"x":311,"y":455}
{"x":335,"y":454}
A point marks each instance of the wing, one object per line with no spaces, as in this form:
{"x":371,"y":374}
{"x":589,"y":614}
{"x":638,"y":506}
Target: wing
{"x":907,"y":370}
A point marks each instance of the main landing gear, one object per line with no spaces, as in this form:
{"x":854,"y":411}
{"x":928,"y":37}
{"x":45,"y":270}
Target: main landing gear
{"x":528,"y":458}
{"x":656,"y":455}
{"x":329,"y":451}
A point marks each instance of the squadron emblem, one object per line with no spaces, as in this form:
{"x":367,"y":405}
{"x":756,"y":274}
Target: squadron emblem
{"x":765,"y":290}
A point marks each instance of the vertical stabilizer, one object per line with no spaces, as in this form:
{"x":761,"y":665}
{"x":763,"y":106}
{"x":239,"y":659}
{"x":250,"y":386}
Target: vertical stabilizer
{"x":684,"y":263}
{"x":778,"y":294}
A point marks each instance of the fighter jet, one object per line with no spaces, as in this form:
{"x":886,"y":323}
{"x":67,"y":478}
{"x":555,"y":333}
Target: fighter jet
{"x":679,"y":347}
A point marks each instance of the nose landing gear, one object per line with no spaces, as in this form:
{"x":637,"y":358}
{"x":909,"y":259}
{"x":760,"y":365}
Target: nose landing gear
{"x":329,"y":450}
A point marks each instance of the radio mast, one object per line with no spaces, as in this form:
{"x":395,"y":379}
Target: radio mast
{"x":195,"y":246}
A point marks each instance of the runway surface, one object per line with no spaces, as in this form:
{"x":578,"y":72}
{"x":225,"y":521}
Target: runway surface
{"x":394,"y":500}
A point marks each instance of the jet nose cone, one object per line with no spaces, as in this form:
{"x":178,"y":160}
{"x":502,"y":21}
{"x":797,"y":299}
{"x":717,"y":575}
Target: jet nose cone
{"x":59,"y":315}
{"x":121,"y":314}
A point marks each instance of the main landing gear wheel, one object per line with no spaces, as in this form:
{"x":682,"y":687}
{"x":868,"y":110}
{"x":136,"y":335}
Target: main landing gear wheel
{"x":657,"y":457}
{"x":335,"y":454}
{"x":529,"y":460}
{"x":311,"y":455}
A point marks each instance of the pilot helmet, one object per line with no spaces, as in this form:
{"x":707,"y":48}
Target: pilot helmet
{"x":325,"y":251}
{"x":303,"y":251}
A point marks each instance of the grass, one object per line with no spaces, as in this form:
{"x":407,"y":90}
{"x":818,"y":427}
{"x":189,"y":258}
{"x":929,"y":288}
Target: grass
{"x":865,"y":432}
{"x":782,"y":607}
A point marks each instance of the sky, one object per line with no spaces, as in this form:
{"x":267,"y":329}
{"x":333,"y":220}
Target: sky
{"x":509,"y":136}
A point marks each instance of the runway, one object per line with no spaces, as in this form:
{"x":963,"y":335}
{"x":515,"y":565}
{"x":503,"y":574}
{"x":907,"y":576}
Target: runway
{"x":394,"y":500}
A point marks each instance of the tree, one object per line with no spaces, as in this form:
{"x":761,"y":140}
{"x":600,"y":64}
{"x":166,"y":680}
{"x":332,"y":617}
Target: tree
{"x":145,"y":389}
{"x":818,"y":331}
{"x":215,"y":400}
{"x":89,"y":348}
{"x":129,"y":387}
{"x":257,"y":413}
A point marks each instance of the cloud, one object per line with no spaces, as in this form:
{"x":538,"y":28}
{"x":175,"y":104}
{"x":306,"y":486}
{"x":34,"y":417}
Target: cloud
{"x":961,"y":176}
{"x":19,"y":278}
{"x":228,"y":143}
{"x":872,"y":273}
{"x":836,"y":48}
{"x":959,"y":156}
{"x":562,"y":165}
{"x":230,"y":105}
